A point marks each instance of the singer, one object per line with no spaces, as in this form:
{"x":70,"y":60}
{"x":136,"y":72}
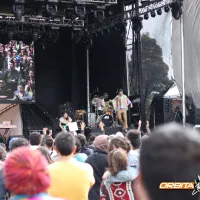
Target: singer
{"x":121,"y":103}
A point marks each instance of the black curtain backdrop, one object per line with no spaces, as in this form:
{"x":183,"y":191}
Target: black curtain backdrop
{"x":61,"y":75}
{"x":107,"y":64}
{"x":53,"y":82}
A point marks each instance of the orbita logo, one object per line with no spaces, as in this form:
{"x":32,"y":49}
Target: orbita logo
{"x":177,"y":186}
{"x":195,"y":186}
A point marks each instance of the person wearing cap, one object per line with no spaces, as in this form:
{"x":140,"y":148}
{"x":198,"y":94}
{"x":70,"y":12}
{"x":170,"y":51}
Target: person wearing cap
{"x":99,"y":162}
{"x":29,"y":179}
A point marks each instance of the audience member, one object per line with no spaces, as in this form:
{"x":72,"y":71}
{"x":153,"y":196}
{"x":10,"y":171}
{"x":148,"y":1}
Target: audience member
{"x":70,"y":179}
{"x":18,"y":142}
{"x":117,"y":162}
{"x":81,"y":157}
{"x":99,"y":162}
{"x":29,"y":178}
{"x":35,"y":140}
{"x":133,"y":162}
{"x":91,"y":142}
{"x":83,"y":141}
{"x":134,"y":137}
{"x":45,"y":153}
{"x":49,"y":147}
{"x":171,"y":154}
{"x":21,"y":95}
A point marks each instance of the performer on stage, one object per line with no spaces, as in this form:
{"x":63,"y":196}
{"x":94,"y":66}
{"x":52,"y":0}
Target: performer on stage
{"x":121,"y":103}
{"x":99,"y":103}
{"x":64,"y":121}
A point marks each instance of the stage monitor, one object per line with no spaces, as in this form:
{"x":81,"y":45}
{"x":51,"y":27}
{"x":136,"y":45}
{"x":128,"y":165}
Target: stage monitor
{"x":17,"y":72}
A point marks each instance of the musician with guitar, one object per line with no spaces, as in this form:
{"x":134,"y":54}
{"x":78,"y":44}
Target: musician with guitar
{"x":64,"y":121}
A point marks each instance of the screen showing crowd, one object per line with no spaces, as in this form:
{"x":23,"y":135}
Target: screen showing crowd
{"x":17,"y":72}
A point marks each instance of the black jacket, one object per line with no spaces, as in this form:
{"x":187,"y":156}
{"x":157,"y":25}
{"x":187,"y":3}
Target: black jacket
{"x":99,"y":162}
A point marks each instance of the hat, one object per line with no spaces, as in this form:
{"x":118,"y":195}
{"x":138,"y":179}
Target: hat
{"x":25,"y":172}
{"x":101,"y":142}
{"x":119,"y":134}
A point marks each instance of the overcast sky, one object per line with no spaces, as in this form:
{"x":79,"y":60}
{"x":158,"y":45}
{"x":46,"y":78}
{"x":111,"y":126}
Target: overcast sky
{"x":160,"y":29}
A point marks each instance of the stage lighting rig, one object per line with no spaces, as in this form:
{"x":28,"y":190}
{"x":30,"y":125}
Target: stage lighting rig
{"x":128,"y":14}
{"x":18,"y":8}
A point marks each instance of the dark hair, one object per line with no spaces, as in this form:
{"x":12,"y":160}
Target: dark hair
{"x":19,"y":142}
{"x":65,"y":143}
{"x":117,"y":161}
{"x":135,"y":138}
{"x":45,"y":153}
{"x":82,"y":139}
{"x":171,"y":154}
{"x":120,"y":90}
{"x":91,"y":138}
{"x":49,"y":143}
{"x":78,"y":145}
{"x":119,"y":142}
{"x":35,"y":138}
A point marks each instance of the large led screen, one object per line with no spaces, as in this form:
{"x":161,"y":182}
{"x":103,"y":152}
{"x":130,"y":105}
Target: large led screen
{"x":17,"y":72}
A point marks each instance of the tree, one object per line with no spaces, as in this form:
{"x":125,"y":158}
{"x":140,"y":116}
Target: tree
{"x":155,"y":71}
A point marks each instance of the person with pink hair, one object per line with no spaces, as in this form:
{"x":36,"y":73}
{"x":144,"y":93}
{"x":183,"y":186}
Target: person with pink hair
{"x":26,"y":175}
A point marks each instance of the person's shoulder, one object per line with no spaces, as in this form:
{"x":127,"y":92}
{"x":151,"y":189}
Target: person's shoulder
{"x":86,"y":167}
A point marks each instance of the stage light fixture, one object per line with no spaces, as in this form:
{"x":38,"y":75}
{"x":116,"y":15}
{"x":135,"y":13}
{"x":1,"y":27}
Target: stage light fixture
{"x":51,"y":7}
{"x":166,"y":9}
{"x":18,"y":8}
{"x":176,"y":10}
{"x":137,"y":24}
{"x":146,"y":16}
{"x":35,"y":36}
{"x":10,"y":34}
{"x":80,"y":12}
{"x":159,"y":11}
{"x":70,"y":13}
{"x":153,"y":14}
{"x":99,"y":15}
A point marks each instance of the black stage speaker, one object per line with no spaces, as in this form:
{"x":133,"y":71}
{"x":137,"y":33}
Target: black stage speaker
{"x":197,"y":116}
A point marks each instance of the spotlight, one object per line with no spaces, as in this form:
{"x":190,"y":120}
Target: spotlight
{"x":18,"y":9}
{"x":80,"y":12}
{"x":176,"y":11}
{"x":166,"y":9}
{"x":51,"y":7}
{"x":159,"y":11}
{"x":35,"y":36}
{"x":10,"y":34}
{"x":70,"y":13}
{"x":99,"y":15}
{"x":136,"y":24}
{"x":153,"y":14}
{"x":146,"y":16}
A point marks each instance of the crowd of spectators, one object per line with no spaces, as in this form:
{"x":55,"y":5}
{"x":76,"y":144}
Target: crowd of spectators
{"x":17,"y":71}
{"x":118,"y":167}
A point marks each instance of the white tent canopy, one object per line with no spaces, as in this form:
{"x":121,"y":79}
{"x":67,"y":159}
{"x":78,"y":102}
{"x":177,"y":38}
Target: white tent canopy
{"x":172,"y":93}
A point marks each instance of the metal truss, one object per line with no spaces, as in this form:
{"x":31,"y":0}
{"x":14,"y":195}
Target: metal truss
{"x":90,"y":1}
{"x":122,"y":17}
{"x":58,"y":22}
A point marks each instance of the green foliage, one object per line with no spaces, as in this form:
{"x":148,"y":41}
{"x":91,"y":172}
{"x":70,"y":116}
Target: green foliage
{"x":155,"y":71}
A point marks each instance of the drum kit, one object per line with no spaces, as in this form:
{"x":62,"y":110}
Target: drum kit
{"x":108,"y":116}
